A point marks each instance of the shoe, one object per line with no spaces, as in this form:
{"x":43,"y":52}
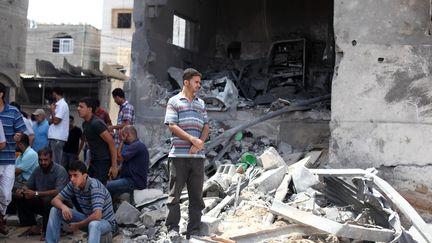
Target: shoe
{"x":174,"y":236}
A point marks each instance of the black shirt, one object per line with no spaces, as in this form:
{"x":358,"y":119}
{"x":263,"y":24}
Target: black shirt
{"x":72,"y":144}
{"x":93,"y":128}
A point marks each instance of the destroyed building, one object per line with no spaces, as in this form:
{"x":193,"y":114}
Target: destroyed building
{"x":13,"y":26}
{"x":373,"y":57}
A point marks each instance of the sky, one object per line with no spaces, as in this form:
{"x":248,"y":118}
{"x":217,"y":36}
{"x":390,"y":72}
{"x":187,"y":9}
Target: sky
{"x":66,"y":11}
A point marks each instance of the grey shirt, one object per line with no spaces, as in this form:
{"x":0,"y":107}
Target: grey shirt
{"x":55,"y":178}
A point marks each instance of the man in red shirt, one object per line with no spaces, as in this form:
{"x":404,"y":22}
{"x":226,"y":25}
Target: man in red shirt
{"x":102,"y":114}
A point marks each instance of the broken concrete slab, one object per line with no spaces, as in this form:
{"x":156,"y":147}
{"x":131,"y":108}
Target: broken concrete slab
{"x":271,"y":159}
{"x":292,"y":158}
{"x":150,"y":218}
{"x":342,"y":230}
{"x":303,"y":178}
{"x":209,"y":225}
{"x":127,"y":214}
{"x":146,"y":196}
{"x":217,"y":210}
{"x":270,"y":180}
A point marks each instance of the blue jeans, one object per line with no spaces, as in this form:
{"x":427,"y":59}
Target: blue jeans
{"x":96,"y":228}
{"x":120,"y":186}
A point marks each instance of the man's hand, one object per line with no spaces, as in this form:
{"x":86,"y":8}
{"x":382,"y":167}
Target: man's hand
{"x":66,"y":213}
{"x":111,"y":129}
{"x":74,"y":227}
{"x":197,"y":143}
{"x":193,"y":150}
{"x":113,"y":172}
{"x":29,"y":194}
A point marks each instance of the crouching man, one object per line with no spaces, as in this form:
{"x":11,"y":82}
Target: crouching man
{"x":94,"y":200}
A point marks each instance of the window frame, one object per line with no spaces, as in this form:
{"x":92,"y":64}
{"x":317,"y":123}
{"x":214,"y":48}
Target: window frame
{"x":115,"y":17}
{"x":65,"y":45}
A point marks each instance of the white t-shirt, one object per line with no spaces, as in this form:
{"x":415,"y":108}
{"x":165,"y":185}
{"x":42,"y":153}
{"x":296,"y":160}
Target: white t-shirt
{"x":29,"y":130}
{"x":2,"y":134}
{"x":61,"y":130}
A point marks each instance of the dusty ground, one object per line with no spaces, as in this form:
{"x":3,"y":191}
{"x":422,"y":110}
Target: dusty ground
{"x":12,"y":237}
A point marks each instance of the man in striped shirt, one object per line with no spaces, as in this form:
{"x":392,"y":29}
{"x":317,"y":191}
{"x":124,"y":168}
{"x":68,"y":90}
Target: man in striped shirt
{"x":94,"y":200}
{"x":186,"y":118}
{"x":13,"y":126}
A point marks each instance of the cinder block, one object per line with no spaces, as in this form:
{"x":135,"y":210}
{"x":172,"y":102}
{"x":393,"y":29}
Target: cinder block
{"x":271,"y":159}
{"x":209,"y":225}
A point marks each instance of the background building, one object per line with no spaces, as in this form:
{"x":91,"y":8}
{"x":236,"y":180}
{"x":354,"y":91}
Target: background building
{"x":13,"y":24}
{"x":79,"y":44}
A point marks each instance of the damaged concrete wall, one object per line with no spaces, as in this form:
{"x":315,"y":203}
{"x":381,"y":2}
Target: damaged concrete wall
{"x":381,"y":97}
{"x":13,"y":25}
{"x":255,"y":24}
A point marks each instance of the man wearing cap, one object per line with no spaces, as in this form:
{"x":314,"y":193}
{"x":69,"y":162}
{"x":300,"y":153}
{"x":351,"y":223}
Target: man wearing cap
{"x":40,"y":129}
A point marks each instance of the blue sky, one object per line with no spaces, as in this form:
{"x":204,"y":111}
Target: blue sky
{"x":66,"y":11}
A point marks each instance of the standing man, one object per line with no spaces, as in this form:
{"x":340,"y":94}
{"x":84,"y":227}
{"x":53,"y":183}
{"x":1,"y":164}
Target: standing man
{"x":103,"y":154}
{"x":134,"y":169}
{"x":74,"y":144}
{"x":102,"y":114}
{"x":93,"y":198}
{"x":58,"y":131}
{"x":14,"y":127}
{"x":186,"y":118}
{"x":40,"y":128}
{"x":126,"y":115}
{"x":45,"y":182}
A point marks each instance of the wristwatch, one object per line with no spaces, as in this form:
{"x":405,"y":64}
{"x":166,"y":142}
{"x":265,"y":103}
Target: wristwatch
{"x":36,"y":194}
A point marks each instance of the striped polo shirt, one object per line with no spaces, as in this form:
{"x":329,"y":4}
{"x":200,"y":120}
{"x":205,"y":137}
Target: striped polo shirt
{"x":94,"y":196}
{"x":12,"y":122}
{"x":189,"y":116}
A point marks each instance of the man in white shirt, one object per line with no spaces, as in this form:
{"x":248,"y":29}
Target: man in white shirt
{"x":58,"y":131}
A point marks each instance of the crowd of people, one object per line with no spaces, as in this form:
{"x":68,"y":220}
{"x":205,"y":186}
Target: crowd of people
{"x":41,"y":174}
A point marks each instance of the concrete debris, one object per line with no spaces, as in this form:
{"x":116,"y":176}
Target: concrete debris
{"x":146,"y":196}
{"x":150,"y":218}
{"x":271,"y":159}
{"x":219,"y":95}
{"x":127,"y":214}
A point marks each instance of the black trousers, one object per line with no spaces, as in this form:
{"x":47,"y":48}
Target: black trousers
{"x":190,"y":172}
{"x":99,"y":169}
{"x":28,"y":208}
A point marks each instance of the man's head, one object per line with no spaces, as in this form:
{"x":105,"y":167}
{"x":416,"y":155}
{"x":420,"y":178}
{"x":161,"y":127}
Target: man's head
{"x":118,"y":96}
{"x":78,"y":174}
{"x":39,"y":115}
{"x":86,"y":107}
{"x":23,"y":143}
{"x":129,"y":133}
{"x":57,"y":93}
{"x":45,"y":155}
{"x":71,"y":121}
{"x":2,"y":91}
{"x":192,"y":80}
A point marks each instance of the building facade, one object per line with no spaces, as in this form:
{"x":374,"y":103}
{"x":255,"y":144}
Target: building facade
{"x":13,"y":24}
{"x":79,"y":44}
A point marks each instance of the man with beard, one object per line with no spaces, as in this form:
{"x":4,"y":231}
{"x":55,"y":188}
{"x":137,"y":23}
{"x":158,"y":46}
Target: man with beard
{"x":44,"y":184}
{"x":186,"y":117}
{"x":103,"y":154}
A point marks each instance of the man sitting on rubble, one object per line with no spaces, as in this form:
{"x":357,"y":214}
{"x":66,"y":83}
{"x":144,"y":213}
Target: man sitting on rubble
{"x":94,"y":200}
{"x":45,"y":182}
{"x":134,"y":168}
{"x":25,"y":163}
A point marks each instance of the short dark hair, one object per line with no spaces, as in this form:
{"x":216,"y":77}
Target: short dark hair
{"x":58,"y":91}
{"x":78,"y":165}
{"x":45,"y":151}
{"x":189,"y":73}
{"x":13,"y":103}
{"x":3,"y":90}
{"x":90,"y":102}
{"x":25,"y":140}
{"x":118,"y":92}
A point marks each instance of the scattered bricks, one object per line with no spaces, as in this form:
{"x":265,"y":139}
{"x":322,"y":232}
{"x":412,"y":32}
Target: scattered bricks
{"x":270,"y":179}
{"x":127,"y":214}
{"x":271,"y":159}
{"x":149,"y":219}
{"x":209,"y":225}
